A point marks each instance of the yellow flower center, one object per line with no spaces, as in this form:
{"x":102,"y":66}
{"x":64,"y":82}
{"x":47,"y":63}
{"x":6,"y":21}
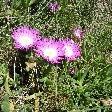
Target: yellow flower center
{"x":25,"y":41}
{"x":50,"y":52}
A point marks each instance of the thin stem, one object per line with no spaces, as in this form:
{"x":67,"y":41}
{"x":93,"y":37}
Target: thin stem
{"x":14,"y":69}
{"x":56,"y":87}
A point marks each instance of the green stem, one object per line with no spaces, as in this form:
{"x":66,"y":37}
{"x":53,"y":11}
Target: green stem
{"x":56,"y":87}
{"x":7,"y":85}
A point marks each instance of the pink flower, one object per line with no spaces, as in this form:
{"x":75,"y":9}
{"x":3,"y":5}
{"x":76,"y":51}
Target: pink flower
{"x":25,"y":37}
{"x":53,"y":6}
{"x":71,"y":50}
{"x":78,"y":33}
{"x":49,"y":49}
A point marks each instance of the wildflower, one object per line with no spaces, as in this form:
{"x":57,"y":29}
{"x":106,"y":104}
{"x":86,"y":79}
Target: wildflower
{"x":71,"y":49}
{"x":78,"y":33}
{"x":25,"y":37}
{"x":53,"y":6}
{"x":49,"y":49}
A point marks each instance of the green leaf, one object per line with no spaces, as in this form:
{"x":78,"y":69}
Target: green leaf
{"x":99,"y":110}
{"x":28,"y":2}
{"x":46,"y":81}
{"x":1,"y":80}
{"x":23,"y":2}
{"x":18,"y":3}
{"x":31,"y":2}
{"x":5,"y":106}
{"x":7,"y":85}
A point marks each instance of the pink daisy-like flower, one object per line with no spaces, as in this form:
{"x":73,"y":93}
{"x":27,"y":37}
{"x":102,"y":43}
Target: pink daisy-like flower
{"x":50,"y":50}
{"x":25,"y":37}
{"x":71,"y":49}
{"x":54,"y":6}
{"x":78,"y":33}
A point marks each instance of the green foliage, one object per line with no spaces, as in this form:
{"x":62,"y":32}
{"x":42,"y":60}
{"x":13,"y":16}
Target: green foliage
{"x":5,"y":105}
{"x":88,"y":89}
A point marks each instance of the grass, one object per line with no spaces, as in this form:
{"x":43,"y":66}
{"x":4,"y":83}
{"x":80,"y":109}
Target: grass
{"x":89,"y":88}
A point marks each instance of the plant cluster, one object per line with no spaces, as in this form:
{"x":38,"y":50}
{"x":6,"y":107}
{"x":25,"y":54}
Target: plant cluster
{"x":55,"y":56}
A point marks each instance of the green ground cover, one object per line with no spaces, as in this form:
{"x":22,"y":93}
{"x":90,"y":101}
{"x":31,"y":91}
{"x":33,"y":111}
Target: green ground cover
{"x":89,"y":88}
